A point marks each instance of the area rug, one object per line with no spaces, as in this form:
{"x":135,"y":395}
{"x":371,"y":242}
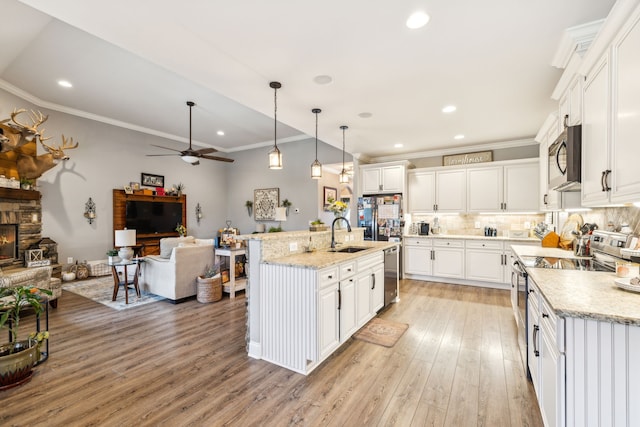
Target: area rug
{"x":100,"y":290}
{"x":381,"y":331}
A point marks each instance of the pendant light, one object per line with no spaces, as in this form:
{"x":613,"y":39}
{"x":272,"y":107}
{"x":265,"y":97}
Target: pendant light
{"x":316,"y":166}
{"x":344,"y":176}
{"x":275,"y":156}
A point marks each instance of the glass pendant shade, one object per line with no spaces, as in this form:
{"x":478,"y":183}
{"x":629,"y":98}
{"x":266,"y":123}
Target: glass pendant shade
{"x":344,"y":177}
{"x":316,"y":166}
{"x":275,"y":156}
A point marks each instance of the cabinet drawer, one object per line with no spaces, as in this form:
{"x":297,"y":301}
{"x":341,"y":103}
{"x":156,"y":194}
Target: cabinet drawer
{"x":484,"y":244}
{"x":328,"y":276}
{"x":446,"y":243}
{"x":347,"y":270}
{"x":553,"y":324}
{"x":370,"y":261}
{"x":416,"y":241}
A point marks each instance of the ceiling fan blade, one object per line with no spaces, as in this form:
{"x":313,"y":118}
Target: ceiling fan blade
{"x":206,"y":150}
{"x":166,"y":148}
{"x":222,"y":159}
{"x":159,"y":155}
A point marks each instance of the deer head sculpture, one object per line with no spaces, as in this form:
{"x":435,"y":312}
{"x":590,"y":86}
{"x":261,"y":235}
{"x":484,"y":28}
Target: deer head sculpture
{"x":30,"y":167}
{"x":18,"y":134}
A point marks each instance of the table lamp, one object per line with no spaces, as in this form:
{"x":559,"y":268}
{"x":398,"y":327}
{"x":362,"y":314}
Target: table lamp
{"x":124,"y":239}
{"x":281,"y":215}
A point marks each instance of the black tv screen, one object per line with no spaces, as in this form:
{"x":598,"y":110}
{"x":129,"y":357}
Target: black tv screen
{"x":153,"y":217}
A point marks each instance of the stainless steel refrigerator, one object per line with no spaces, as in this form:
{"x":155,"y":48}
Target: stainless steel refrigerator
{"x":381,"y":216}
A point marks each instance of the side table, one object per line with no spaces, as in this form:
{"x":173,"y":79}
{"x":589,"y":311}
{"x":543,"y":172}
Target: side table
{"x":125,"y":282}
{"x":234,"y":284}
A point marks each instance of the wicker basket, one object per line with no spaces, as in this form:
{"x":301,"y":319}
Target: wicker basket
{"x":209,"y":289}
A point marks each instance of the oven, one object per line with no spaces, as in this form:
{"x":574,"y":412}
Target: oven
{"x":519,"y":291}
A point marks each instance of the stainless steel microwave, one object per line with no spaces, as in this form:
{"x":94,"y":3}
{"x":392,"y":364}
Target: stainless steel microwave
{"x":564,"y":160}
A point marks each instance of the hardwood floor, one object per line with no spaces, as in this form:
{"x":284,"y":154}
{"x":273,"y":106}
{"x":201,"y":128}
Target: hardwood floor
{"x":186,"y":365}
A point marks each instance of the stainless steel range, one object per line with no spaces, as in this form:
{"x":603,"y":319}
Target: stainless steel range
{"x":605,"y":249}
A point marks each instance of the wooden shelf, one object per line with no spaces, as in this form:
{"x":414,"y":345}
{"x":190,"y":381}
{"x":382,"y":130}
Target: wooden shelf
{"x":19,"y":194}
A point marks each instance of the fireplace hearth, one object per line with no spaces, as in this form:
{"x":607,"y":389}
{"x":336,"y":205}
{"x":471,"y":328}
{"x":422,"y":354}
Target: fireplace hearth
{"x":20,"y":226}
{"x":8,"y":242}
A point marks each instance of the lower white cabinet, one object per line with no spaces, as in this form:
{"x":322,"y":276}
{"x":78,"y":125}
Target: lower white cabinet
{"x":485,"y":261}
{"x":377,"y":289}
{"x":448,"y":258}
{"x":363,"y":298}
{"x":328,"y":319}
{"x":347,"y":303}
{"x":417,"y":256}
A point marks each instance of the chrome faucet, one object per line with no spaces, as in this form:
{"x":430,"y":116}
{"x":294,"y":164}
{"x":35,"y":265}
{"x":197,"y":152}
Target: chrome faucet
{"x":333,"y":238}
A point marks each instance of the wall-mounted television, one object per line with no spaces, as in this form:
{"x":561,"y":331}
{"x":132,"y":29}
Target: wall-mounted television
{"x":153,"y":217}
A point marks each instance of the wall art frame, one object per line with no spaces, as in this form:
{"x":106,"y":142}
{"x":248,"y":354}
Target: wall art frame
{"x":329,"y":193}
{"x":150,"y":180}
{"x":265,"y":202}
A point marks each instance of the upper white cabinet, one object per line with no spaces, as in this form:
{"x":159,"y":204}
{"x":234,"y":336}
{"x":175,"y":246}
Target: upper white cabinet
{"x":611,"y":107}
{"x":383,"y":178}
{"x":442,"y":190}
{"x":512,"y":187}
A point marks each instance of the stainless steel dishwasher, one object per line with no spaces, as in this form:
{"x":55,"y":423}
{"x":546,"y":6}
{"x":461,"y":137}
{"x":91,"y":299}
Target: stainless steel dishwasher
{"x":391,"y":261}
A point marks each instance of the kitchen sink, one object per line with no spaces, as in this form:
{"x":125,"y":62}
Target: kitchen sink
{"x":351,"y":249}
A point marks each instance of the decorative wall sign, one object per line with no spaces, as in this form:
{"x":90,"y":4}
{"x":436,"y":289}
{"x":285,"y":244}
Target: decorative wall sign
{"x":265,"y":202}
{"x":468,"y":158}
{"x":152,"y":180}
{"x":35,"y":258}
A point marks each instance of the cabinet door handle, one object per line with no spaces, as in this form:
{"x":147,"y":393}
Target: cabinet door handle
{"x":531,"y":291}
{"x":545,"y":315}
{"x":373,"y":279}
{"x":602,"y":180}
{"x":330,"y":276}
{"x":536,"y":352}
{"x":339,"y":299}
{"x":544,"y":199}
{"x":606,"y":181}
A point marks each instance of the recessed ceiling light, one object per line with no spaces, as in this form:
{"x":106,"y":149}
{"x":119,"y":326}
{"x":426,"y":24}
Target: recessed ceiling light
{"x":449,"y":109}
{"x":417,"y":20}
{"x":398,"y":145}
{"x":65,"y":83}
{"x":323,"y":79}
{"x":460,"y":136}
{"x":365,"y":115}
{"x":220,"y":133}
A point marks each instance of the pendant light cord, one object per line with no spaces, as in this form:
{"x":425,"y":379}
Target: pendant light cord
{"x":275,"y":116}
{"x":317,"y":136}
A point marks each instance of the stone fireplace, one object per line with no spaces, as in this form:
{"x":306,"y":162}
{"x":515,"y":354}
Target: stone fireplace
{"x":20,"y":224}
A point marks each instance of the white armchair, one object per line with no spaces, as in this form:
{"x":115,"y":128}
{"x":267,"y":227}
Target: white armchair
{"x":175,"y":277}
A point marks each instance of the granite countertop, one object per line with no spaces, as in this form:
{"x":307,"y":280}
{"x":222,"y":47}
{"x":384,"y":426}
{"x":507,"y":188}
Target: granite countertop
{"x":474,"y":237}
{"x":322,"y":258}
{"x":582,"y":294}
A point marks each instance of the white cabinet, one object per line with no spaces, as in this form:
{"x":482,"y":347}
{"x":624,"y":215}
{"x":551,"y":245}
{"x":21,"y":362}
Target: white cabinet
{"x":369,"y":287}
{"x":377,"y":288}
{"x":533,"y":338}
{"x":417,"y":256}
{"x":441,"y":190}
{"x":448,"y":258}
{"x":512,"y":187}
{"x":383,"y":179}
{"x":421,"y":191}
{"x":611,"y":106}
{"x":347,"y":307}
{"x":328,"y":314}
{"x":485,"y":261}
{"x":363,"y":298}
{"x":570,"y":104}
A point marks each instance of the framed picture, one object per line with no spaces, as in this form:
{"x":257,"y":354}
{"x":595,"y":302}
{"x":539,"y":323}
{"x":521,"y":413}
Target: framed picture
{"x":152,"y":180}
{"x":134,"y":185}
{"x":265,"y":202}
{"x":224,"y":276}
{"x":128,"y":189}
{"x":330,"y":193}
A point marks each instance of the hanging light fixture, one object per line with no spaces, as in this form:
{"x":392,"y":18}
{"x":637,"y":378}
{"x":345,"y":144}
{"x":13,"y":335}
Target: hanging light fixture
{"x":316,"y":166}
{"x":344,"y":176}
{"x":275,"y":156}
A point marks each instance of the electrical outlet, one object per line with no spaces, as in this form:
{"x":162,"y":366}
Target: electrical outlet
{"x":527,"y":225}
{"x":70,"y":260}
{"x":477,"y":224}
{"x":293,"y":246}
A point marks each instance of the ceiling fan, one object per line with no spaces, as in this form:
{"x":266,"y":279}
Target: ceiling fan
{"x":190,"y":155}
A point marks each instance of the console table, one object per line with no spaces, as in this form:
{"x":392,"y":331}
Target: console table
{"x":234,"y":284}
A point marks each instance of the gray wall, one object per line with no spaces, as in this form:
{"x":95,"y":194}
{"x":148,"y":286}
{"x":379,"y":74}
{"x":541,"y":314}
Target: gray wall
{"x":513,"y":153}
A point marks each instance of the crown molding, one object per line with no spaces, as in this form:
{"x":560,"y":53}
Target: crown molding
{"x":575,"y":40}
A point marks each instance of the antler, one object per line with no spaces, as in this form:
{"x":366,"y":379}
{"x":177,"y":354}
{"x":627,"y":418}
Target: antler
{"x":28,"y":131}
{"x":67,"y":144}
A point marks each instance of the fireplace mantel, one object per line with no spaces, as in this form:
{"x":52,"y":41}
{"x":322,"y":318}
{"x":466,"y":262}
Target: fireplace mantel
{"x":18,"y":194}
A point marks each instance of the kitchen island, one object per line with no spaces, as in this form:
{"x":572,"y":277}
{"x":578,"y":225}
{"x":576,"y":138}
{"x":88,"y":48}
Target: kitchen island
{"x":584,"y":344}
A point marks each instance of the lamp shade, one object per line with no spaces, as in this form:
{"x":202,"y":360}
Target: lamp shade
{"x":125,"y":237}
{"x":281,"y":214}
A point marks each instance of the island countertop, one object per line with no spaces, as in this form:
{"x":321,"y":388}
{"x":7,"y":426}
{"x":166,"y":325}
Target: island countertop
{"x":322,"y":258}
{"x":582,"y":294}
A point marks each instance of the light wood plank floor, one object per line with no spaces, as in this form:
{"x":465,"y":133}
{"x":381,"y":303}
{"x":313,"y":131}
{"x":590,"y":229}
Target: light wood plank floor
{"x":186,"y":365}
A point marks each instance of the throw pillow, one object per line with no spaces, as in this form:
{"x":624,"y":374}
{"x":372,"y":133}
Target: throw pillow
{"x":168,"y":243}
{"x":205,"y":242}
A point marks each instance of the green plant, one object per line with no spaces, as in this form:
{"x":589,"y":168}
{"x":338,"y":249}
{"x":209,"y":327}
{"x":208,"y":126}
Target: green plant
{"x":13,"y":300}
{"x":248,"y":204}
{"x":286,"y":203}
{"x":181,"y":229}
{"x":179,"y":186}
{"x":26,"y":181}
{"x":112,"y":252}
{"x":275,"y":229}
{"x":317,"y":222}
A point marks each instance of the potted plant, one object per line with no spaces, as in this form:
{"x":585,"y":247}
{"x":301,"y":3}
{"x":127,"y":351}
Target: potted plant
{"x":26,"y":184}
{"x":179,"y":188}
{"x":286,"y":204}
{"x":113,"y":256}
{"x":18,"y":357}
{"x":249,"y":205}
{"x":182,"y":230}
{"x":209,"y":284}
{"x":317,"y":225}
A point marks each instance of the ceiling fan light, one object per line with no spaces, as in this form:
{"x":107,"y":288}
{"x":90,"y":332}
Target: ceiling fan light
{"x":316,"y":170}
{"x":275,"y":158}
{"x":189,"y":159}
